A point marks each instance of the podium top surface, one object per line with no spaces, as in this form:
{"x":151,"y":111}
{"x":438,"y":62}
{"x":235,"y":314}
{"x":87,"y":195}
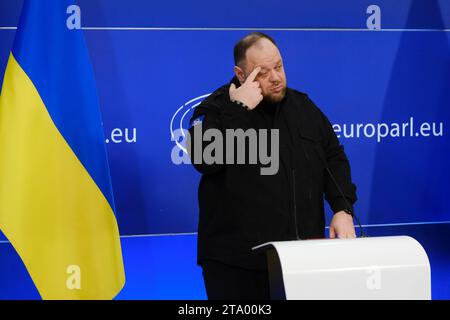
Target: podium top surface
{"x":394,"y":250}
{"x":360,"y":268}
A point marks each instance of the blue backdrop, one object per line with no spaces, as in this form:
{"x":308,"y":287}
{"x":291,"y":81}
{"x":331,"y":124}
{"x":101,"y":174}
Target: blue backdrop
{"x":386,"y":91}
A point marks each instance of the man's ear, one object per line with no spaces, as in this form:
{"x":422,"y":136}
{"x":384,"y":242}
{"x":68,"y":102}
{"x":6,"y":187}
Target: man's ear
{"x":239,"y":74}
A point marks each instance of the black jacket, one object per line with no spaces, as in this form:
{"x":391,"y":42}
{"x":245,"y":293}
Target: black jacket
{"x":240,"y":208}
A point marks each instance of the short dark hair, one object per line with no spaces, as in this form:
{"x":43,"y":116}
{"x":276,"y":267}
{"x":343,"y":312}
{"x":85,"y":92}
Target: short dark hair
{"x":241,"y":47}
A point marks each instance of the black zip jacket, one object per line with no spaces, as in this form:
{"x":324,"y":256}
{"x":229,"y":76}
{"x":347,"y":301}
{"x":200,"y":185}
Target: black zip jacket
{"x":240,"y":208}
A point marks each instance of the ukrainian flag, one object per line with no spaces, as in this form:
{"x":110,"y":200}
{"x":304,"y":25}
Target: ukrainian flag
{"x":56,"y":200}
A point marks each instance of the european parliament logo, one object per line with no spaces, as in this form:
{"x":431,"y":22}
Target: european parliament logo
{"x":179,"y":124}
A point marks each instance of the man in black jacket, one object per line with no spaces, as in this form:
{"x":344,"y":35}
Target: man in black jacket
{"x":239,"y":206}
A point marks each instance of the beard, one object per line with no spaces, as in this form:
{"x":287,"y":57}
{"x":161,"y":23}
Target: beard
{"x":271,"y":98}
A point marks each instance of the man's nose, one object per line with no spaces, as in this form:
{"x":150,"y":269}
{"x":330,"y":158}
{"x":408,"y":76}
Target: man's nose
{"x":274,"y":76}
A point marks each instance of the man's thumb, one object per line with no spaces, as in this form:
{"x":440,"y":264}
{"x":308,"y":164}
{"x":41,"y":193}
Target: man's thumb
{"x":332,"y":233}
{"x":232,"y":87}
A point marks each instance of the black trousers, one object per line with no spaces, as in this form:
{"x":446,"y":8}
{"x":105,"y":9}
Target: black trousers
{"x":225,"y":282}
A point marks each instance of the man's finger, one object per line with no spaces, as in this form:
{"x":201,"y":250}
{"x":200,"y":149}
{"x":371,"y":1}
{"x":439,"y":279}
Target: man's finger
{"x":251,"y":77}
{"x":232,"y":87}
{"x":351,"y":232}
{"x":332,"y":234}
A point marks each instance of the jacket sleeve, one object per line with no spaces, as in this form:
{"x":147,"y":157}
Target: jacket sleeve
{"x":338,"y":164}
{"x":213,"y":115}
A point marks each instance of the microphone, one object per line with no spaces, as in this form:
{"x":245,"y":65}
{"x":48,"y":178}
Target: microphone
{"x":361,"y":234}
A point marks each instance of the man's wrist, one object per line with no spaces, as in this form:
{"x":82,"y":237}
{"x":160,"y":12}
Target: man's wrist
{"x":348,"y":211}
{"x":241,"y":104}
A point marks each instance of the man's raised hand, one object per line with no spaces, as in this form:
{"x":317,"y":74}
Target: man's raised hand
{"x":249,"y":93}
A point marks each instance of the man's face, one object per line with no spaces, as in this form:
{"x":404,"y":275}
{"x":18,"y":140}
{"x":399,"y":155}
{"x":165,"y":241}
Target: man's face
{"x":271,"y":78}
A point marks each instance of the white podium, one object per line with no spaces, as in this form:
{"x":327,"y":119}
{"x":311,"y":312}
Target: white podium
{"x":362,"y":268}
